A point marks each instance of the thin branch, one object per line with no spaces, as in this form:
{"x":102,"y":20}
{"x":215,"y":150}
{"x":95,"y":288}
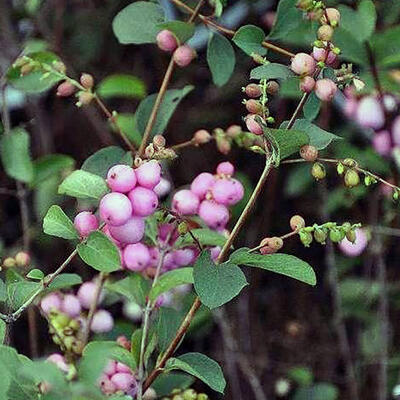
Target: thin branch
{"x":229,"y":32}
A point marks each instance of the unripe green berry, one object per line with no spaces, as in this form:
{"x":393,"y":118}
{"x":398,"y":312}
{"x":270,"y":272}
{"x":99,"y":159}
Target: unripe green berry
{"x":202,"y":396}
{"x":178,"y":397}
{"x":351,"y":178}
{"x":189,"y":394}
{"x":9,"y":262}
{"x":297,"y":222}
{"x":351,"y":235}
{"x":340,"y":168}
{"x":349,"y":162}
{"x":74,"y":324}
{"x":308,"y":153}
{"x":346,"y":226}
{"x":306,"y":238}
{"x":318,"y":171}
{"x":61,"y":320}
{"x":182,"y":228}
{"x":85,"y":98}
{"x":26,"y":69}
{"x":320,"y":235}
{"x":336,"y":235}
{"x":22,"y":258}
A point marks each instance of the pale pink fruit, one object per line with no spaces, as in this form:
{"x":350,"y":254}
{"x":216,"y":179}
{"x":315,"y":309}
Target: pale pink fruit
{"x":166,"y":40}
{"x":85,"y":222}
{"x":253,"y":125}
{"x":51,"y":302}
{"x":382,"y":143}
{"x":225,"y":168}
{"x":121,"y":178}
{"x":356,"y":248}
{"x":184,"y":257}
{"x":71,"y":305}
{"x":123,"y":368}
{"x":184,"y":55}
{"x":115,"y":209}
{"x":59,"y":361}
{"x":102,"y":322}
{"x":136,"y":257}
{"x":369,"y":113}
{"x":185,"y":202}
{"x":163,"y":188}
{"x":303,"y":64}
{"x":87,"y":294}
{"x":227,"y":191}
{"x":215,"y":215}
{"x":325,"y":89}
{"x":202,"y":184}
{"x":123,"y":381}
{"x":144,"y":201}
{"x":130,"y":232}
{"x":149,"y":174}
{"x":307,"y":84}
{"x":110,"y":368}
{"x":396,"y":131}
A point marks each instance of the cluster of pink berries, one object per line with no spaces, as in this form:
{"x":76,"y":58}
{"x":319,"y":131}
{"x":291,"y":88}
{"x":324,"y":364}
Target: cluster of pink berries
{"x":133,"y":197}
{"x":74,"y":305}
{"x":210,"y":196}
{"x":371,"y":112}
{"x":182,"y":54}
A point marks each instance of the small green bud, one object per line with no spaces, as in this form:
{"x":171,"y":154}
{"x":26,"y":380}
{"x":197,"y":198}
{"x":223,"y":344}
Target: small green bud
{"x":61,"y":320}
{"x":306,"y":238}
{"x":336,"y":235}
{"x":202,"y":396}
{"x":319,"y":43}
{"x":349,"y":162}
{"x":395,"y":195}
{"x":320,"y":64}
{"x":182,"y":228}
{"x":346,"y":227}
{"x":351,"y":235}
{"x":189,"y":394}
{"x":340,"y":168}
{"x":351,"y":178}
{"x":336,"y":50}
{"x":318,"y":171}
{"x":320,"y":235}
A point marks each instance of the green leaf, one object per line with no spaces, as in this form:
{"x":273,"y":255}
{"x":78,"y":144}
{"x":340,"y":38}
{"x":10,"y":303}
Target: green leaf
{"x":271,"y":71}
{"x":319,"y":391}
{"x":135,"y":288}
{"x":183,"y":31}
{"x":169,"y":381}
{"x":121,"y":85}
{"x":221,"y":59}
{"x":19,"y":292}
{"x":15,"y":155}
{"x":170,"y":280}
{"x":287,"y":141}
{"x":100,"y":253}
{"x":49,"y":165}
{"x":170,"y":101}
{"x":364,"y":18}
{"x":288,"y":19}
{"x":249,"y":38}
{"x":3,"y":291}
{"x":138,"y":23}
{"x":351,"y":48}
{"x":200,"y":366}
{"x":217,"y":284}
{"x":303,"y":376}
{"x":64,"y":281}
{"x":127,"y":123}
{"x":204,"y":236}
{"x":386,"y":47}
{"x":96,"y":355}
{"x":3,"y":331}
{"x":318,"y":137}
{"x":284,"y":264}
{"x":299,"y":180}
{"x":168,"y":323}
{"x":100,"y":162}
{"x":34,"y":82}
{"x":312,"y":107}
{"x":35,"y":274}
{"x":83,"y":185}
{"x":56,"y":223}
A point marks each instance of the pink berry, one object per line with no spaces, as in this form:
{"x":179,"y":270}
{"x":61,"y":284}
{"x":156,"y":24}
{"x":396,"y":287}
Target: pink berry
{"x":85,"y":222}
{"x":382,"y":143}
{"x":215,"y":215}
{"x":102,"y":322}
{"x":307,"y":84}
{"x":319,"y":54}
{"x":107,"y":387}
{"x":167,"y":230}
{"x":136,"y":257}
{"x":303,"y":64}
{"x":51,"y":302}
{"x":123,"y":368}
{"x":202,"y":184}
{"x":154,"y":256}
{"x":130,"y":232}
{"x":185,"y":202}
{"x":370,"y":113}
{"x":164,"y":299}
{"x":149,"y":174}
{"x":169,"y":262}
{"x":390,"y":102}
{"x":350,"y":107}
{"x":325,"y":89}
{"x":184,"y":55}
{"x":87,"y":294}
{"x":331,"y":58}
{"x":144,"y":201}
{"x":110,"y":368}
{"x":71,"y":305}
{"x":115,"y":209}
{"x":184,"y":257}
{"x":225,"y":168}
{"x":396,"y":131}
{"x":163,"y":188}
{"x":356,"y":248}
{"x":227,"y":191}
{"x":65,"y":89}
{"x":214,"y":252}
{"x":166,"y":41}
{"x":123,"y":381}
{"x":59,"y":361}
{"x":253,"y":125}
{"x":121,"y":178}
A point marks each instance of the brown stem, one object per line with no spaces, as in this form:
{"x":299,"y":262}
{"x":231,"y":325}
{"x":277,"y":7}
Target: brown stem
{"x":113,"y":120}
{"x":298,"y":110}
{"x":182,"y":145}
{"x":230,"y":32}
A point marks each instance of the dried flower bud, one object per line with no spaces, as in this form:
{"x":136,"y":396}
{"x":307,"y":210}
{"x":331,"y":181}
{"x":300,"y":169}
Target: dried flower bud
{"x":233,"y":131}
{"x":318,"y":171}
{"x":351,"y":178}
{"x":85,"y":98}
{"x":65,"y":89}
{"x":59,"y":66}
{"x":149,"y":151}
{"x":87,"y":81}
{"x":297,"y":222}
{"x":253,"y":90}
{"x":273,"y":87}
{"x":254,"y":106}
{"x":308,"y":153}
{"x":159,"y":142}
{"x":201,"y":137}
